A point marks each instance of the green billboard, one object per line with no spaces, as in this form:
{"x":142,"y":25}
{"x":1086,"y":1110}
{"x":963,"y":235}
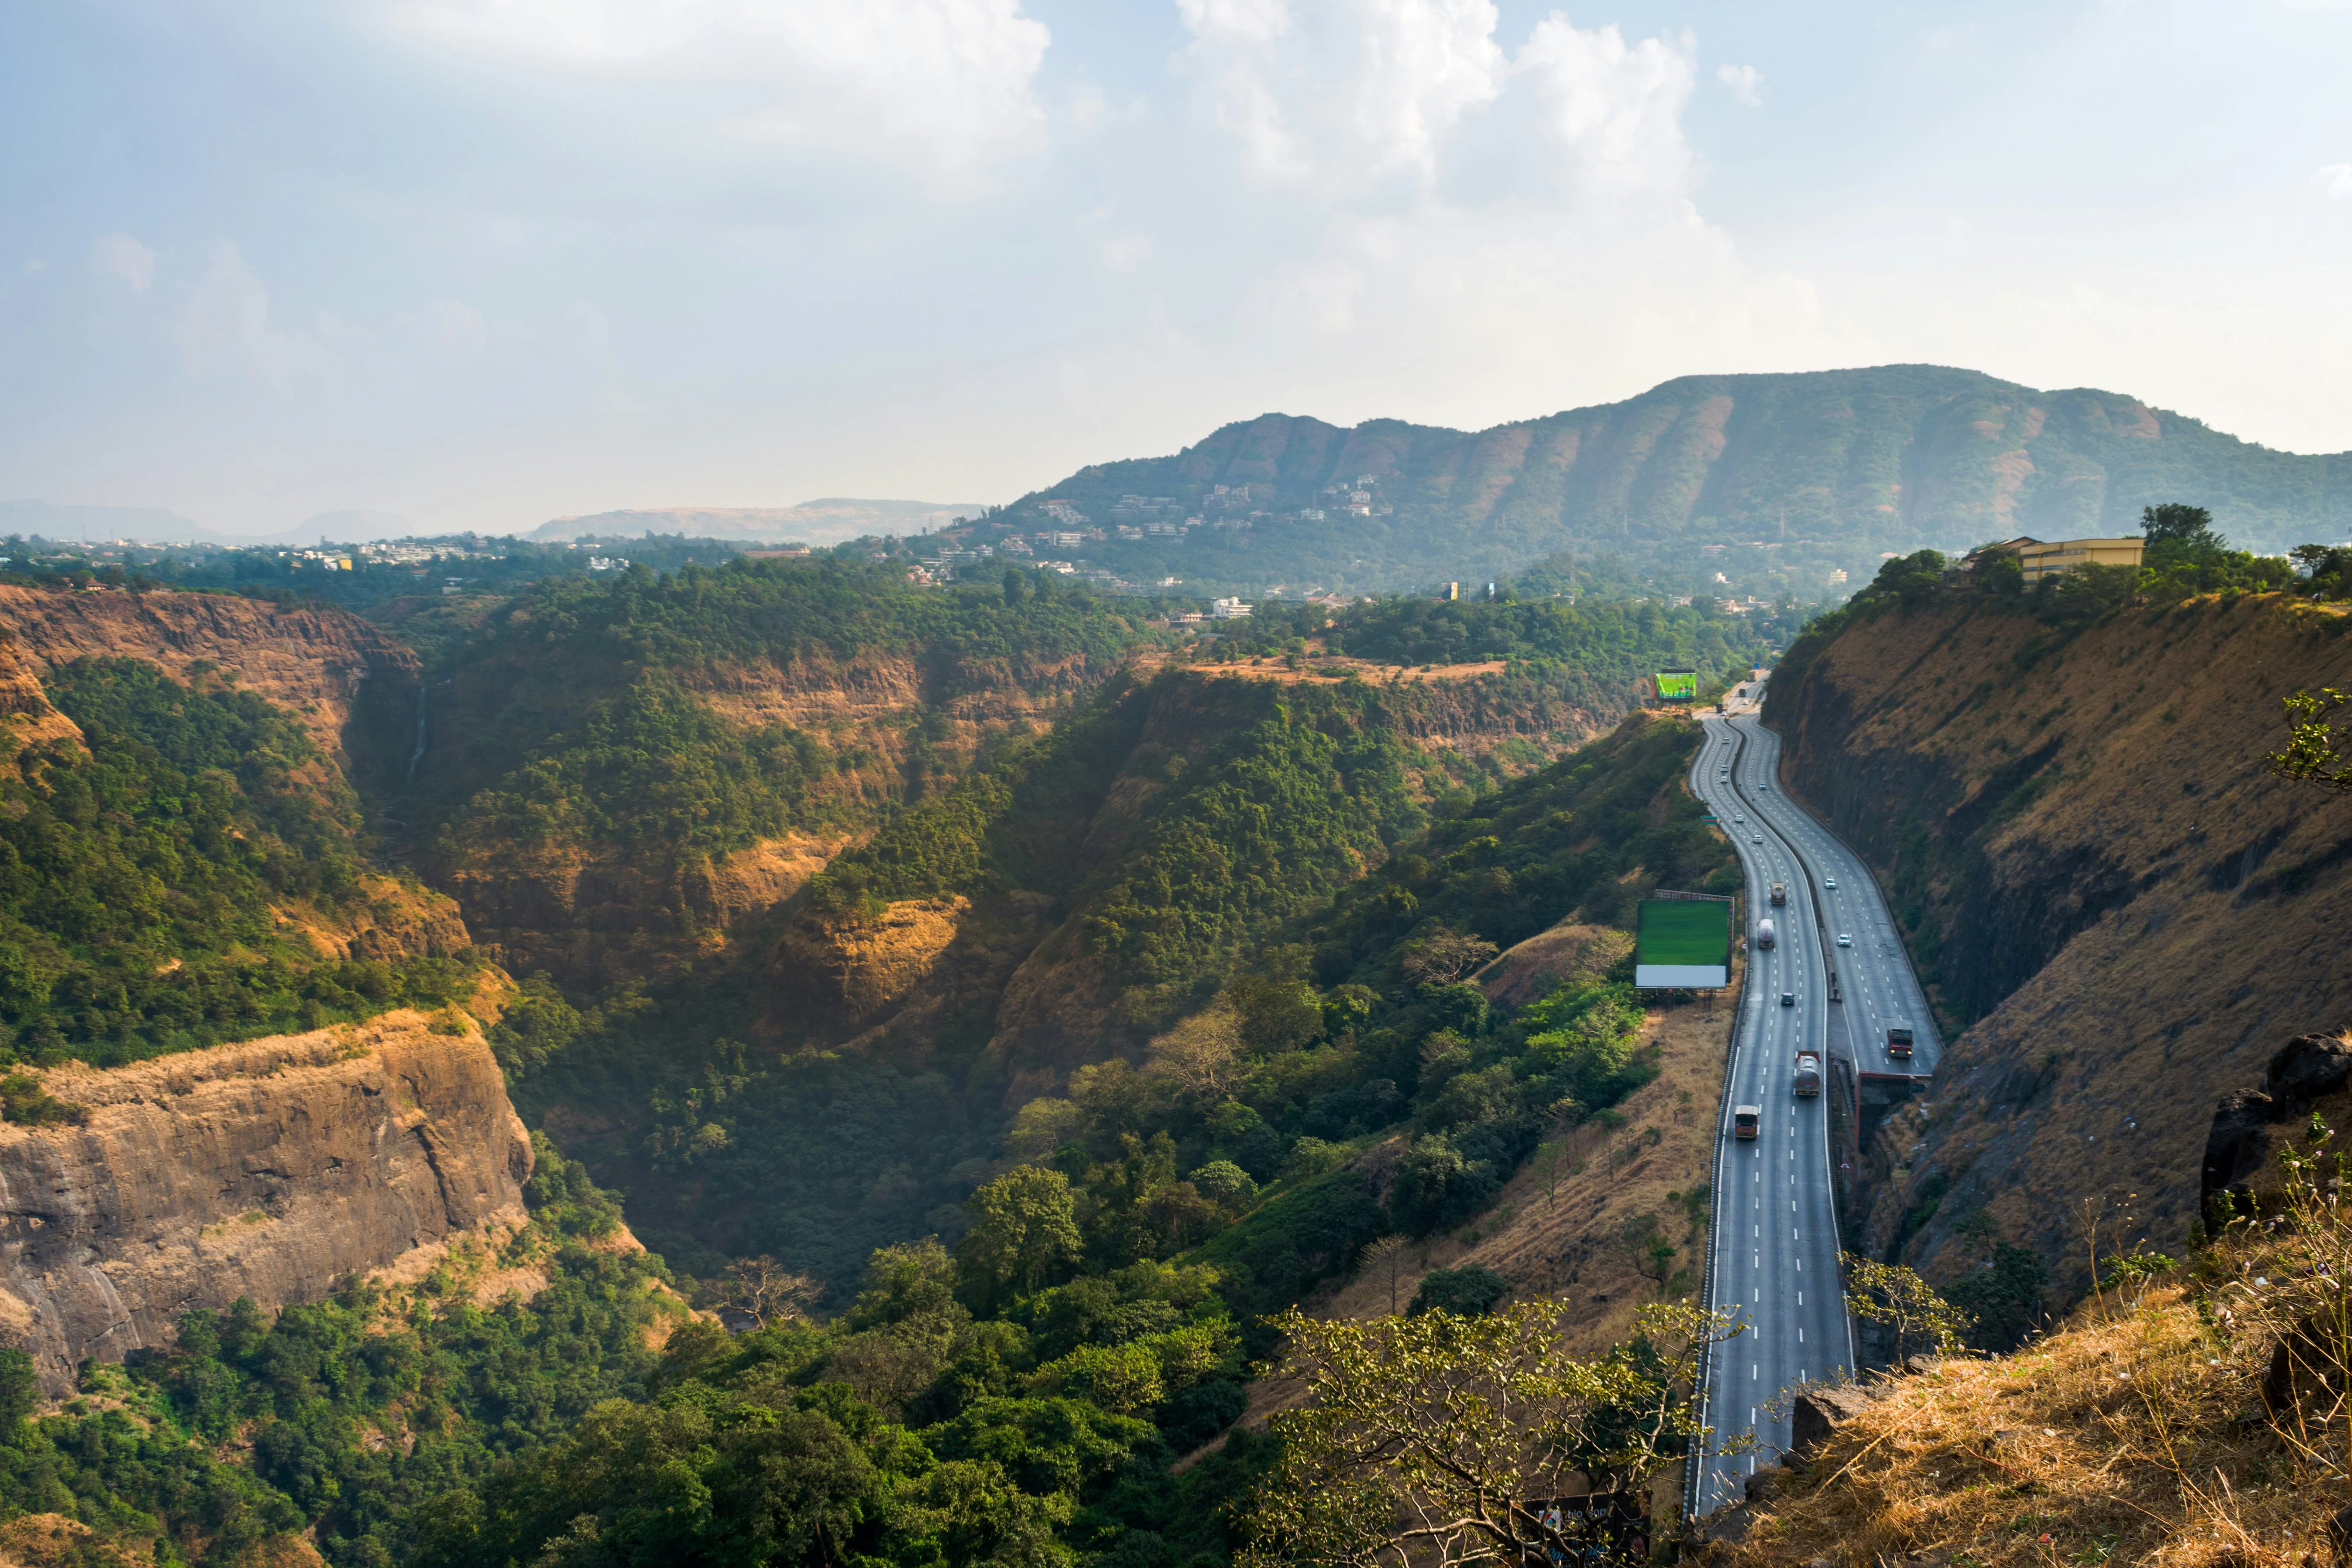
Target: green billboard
{"x":1683,"y":942}
{"x":1678,"y":686}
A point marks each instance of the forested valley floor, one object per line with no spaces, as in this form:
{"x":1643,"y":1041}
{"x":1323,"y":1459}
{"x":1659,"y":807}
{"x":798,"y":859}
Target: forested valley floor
{"x":993,"y":1007}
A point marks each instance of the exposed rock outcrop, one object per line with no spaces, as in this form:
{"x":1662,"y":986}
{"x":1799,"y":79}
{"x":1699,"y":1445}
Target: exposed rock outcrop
{"x":24,"y":707}
{"x":594,"y":913}
{"x":278,"y":1169}
{"x":857,"y":966}
{"x":596,"y":917}
{"x":2309,"y":1073}
{"x":314,"y":661}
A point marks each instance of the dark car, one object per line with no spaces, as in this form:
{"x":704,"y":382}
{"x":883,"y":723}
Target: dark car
{"x":1788,"y":998}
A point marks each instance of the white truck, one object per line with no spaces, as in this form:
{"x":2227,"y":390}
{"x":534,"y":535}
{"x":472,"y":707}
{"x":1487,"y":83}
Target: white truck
{"x":1808,"y":1080}
{"x":1764,"y":935}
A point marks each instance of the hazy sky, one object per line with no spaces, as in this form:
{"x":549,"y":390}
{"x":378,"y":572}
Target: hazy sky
{"x":483,"y":262}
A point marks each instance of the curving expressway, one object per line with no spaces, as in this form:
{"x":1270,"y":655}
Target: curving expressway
{"x":1774,"y":1238}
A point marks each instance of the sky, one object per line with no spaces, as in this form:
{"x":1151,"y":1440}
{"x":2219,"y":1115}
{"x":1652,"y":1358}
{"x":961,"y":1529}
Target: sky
{"x":480,"y":263}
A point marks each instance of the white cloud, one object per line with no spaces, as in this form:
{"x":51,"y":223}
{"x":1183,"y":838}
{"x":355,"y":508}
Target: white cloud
{"x":2334,"y":180}
{"x":944,"y":87}
{"x":223,"y":327}
{"x":1359,"y":92}
{"x":1465,"y":233}
{"x":1616,"y":107}
{"x":1745,"y":83}
{"x":1126,"y":252}
{"x":120,"y":256}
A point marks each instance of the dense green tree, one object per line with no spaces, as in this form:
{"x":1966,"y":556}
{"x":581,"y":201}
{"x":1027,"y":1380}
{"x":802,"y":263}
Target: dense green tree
{"x":1025,"y":1232}
{"x":146,"y":881}
{"x":1469,"y":1292}
{"x":2183,"y":529}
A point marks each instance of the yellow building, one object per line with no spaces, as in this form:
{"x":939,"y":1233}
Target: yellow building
{"x":2043,"y":558}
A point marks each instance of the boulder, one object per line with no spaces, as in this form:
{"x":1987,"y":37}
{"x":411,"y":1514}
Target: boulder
{"x":1821,"y":1410}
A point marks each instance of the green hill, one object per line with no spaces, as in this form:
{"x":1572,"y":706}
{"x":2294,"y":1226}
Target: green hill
{"x":1741,"y":473}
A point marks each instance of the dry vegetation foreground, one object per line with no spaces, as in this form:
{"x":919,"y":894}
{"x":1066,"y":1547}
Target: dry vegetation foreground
{"x":2198,"y":1421}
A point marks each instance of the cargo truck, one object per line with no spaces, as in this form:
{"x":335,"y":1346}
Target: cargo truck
{"x":1898,"y":1041}
{"x":1780,"y":894}
{"x":1764,"y":935}
{"x":1744,"y":1119}
{"x":1808,"y":1082}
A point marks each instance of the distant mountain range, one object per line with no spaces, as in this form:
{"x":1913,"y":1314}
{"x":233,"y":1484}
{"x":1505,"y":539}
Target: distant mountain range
{"x":153,"y":525}
{"x":1768,"y":478}
{"x":1825,"y":469}
{"x":827,"y":521}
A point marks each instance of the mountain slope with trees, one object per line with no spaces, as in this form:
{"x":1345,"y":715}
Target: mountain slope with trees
{"x":1753,"y":474}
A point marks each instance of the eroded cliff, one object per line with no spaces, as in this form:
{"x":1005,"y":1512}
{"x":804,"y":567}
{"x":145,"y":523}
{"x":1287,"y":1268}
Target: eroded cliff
{"x":595,"y":910}
{"x":2100,"y":880}
{"x":317,"y":663}
{"x":277,"y":1170}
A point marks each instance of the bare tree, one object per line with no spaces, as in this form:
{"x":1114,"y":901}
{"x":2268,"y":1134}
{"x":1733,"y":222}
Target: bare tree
{"x":1202,"y":1056}
{"x":763,"y":1291}
{"x":1443,"y":956}
{"x":1385,"y":1261}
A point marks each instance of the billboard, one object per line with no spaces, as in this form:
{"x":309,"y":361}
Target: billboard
{"x":1678,"y":686}
{"x":1683,"y":941}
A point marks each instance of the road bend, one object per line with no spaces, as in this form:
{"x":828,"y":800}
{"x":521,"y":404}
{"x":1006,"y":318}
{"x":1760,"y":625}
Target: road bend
{"x":1774,"y":1238}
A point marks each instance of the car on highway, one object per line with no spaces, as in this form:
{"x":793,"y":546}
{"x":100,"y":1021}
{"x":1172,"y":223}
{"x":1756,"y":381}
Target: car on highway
{"x":1737,"y":817}
{"x":1830,"y":883}
{"x":1844,"y":941}
{"x":1788,"y":998}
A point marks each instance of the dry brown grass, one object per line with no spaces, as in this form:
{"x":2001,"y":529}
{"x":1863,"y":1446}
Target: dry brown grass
{"x":2134,"y":1434}
{"x":2156,"y":724}
{"x":1322,"y":666}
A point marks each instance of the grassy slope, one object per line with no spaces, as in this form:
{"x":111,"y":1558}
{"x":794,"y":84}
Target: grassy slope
{"x":2134,"y":1432}
{"x":2097,"y":875}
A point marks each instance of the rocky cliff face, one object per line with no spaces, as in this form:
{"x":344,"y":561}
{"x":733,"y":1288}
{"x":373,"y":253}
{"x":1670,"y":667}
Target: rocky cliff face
{"x":2100,"y":880}
{"x":1018,"y":959}
{"x":320,"y":664}
{"x":278,"y":1169}
{"x":600,"y":916}
{"x":595,"y":913}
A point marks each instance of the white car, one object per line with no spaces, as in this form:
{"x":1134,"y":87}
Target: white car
{"x":1830,"y":883}
{"x":1844,"y":941}
{"x":1755,"y":839}
{"x":1737,"y":817}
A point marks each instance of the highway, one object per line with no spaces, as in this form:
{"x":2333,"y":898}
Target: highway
{"x":1774,"y":1233}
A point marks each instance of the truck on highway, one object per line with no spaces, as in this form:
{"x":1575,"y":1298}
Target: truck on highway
{"x":1764,"y":935}
{"x":1808,"y":1080}
{"x":1780,"y":894}
{"x":1898,"y":1041}
{"x":1745,"y":1119}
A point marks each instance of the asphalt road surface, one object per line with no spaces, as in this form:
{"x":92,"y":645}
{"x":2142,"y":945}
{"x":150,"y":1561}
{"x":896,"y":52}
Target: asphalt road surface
{"x":1774,"y":1233}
